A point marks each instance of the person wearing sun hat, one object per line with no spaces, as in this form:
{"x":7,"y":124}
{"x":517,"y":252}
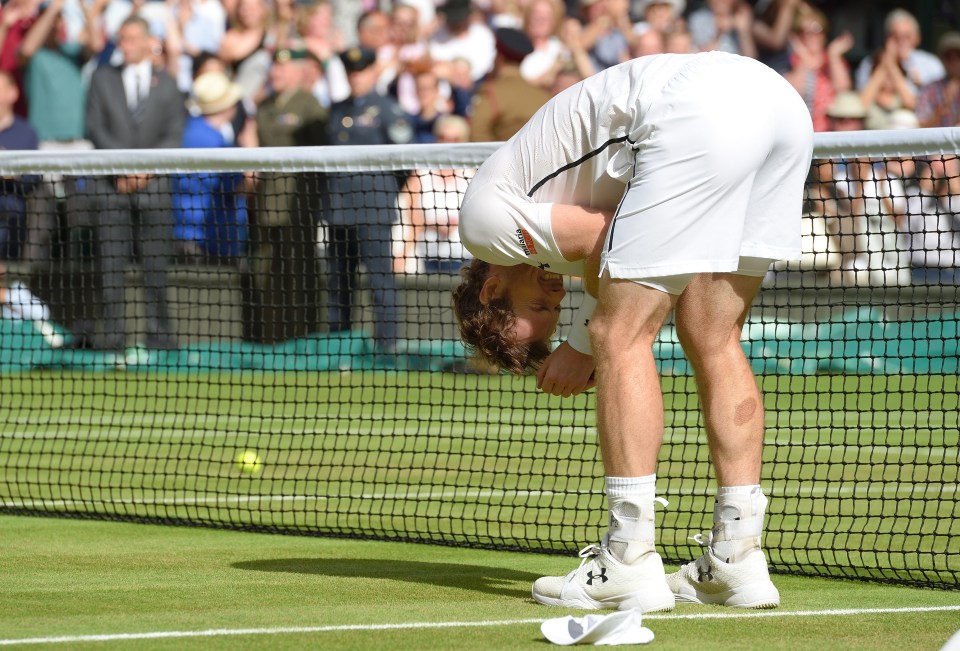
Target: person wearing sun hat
{"x":846,"y":112}
{"x":210,"y":215}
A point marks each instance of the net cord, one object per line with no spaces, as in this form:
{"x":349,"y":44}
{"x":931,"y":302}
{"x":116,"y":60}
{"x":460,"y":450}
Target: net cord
{"x":827,"y":146}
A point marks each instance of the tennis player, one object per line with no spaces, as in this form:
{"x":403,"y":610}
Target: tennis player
{"x":668,"y":183}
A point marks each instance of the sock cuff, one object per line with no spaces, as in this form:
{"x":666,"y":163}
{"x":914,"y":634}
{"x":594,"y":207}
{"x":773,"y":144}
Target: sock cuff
{"x":738,"y":490}
{"x":636,"y":488}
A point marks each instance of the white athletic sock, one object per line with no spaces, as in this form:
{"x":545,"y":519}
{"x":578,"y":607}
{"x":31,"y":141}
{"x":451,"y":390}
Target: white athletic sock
{"x":630,"y":503}
{"x":738,"y":521}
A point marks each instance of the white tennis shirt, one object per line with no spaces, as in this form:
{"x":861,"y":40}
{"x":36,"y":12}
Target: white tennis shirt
{"x":574,"y":150}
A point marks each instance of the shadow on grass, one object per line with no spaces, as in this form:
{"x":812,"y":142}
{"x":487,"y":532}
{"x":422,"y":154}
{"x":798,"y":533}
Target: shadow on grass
{"x":490,"y":580}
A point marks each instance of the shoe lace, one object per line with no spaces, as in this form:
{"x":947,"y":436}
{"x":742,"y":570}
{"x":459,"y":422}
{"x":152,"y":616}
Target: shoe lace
{"x":590,"y":551}
{"x":700,"y":540}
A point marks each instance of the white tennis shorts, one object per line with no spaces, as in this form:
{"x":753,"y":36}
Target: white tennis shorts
{"x":718,"y":175}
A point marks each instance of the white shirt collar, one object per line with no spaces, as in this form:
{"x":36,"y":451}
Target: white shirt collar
{"x":134,"y":73}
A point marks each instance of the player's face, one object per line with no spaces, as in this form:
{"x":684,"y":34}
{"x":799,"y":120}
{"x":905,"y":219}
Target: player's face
{"x":535,"y":296}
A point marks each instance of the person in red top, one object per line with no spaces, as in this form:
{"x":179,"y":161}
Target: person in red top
{"x":817,"y":68}
{"x":16,"y":19}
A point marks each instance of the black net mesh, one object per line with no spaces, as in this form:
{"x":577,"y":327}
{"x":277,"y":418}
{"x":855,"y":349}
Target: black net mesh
{"x":275,"y":351}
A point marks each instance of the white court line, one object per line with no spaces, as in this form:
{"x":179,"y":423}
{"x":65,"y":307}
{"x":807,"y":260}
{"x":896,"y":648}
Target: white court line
{"x":300,"y":630}
{"x":790,"y":489}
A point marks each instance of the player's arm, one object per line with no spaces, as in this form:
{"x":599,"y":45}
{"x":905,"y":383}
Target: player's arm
{"x":580,"y":233}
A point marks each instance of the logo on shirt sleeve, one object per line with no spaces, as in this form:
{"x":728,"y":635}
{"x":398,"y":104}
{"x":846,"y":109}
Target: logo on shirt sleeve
{"x":526,"y":241}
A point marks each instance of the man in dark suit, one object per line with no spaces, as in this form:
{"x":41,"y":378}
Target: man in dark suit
{"x":135,"y":106}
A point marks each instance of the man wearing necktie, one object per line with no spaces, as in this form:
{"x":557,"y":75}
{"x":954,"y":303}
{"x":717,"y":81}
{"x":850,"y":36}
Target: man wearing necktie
{"x":152,"y":116}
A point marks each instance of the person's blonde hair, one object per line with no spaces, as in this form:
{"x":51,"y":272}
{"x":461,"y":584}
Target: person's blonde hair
{"x":305,"y":13}
{"x":455,"y":122}
{"x":806,"y":13}
{"x":558,"y":14}
{"x":268,"y":20}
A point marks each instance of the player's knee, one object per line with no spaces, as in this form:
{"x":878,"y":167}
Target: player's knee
{"x":613,"y":334}
{"x":701,"y":340}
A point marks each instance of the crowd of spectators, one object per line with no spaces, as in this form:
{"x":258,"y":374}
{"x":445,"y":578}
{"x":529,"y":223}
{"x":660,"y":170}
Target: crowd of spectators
{"x":80,"y":74}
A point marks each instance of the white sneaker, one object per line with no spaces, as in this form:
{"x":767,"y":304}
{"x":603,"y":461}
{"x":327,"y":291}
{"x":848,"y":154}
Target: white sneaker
{"x":603,"y":582}
{"x":708,"y":580}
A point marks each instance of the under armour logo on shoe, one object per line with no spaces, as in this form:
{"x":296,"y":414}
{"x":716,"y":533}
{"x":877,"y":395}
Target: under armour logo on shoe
{"x":602,"y":576}
{"x":704,"y":574}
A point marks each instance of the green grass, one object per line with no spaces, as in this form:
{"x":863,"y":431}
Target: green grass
{"x":80,"y":578}
{"x":862,"y":470}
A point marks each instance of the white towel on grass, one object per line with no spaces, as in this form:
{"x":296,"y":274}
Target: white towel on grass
{"x":622,"y":627}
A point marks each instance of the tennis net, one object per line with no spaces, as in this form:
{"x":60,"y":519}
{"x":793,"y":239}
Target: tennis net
{"x":299,"y":318}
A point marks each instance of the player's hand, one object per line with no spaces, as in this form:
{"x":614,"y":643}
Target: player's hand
{"x":566,"y":372}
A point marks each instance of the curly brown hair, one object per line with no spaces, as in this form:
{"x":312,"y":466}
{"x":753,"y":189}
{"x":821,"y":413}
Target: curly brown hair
{"x":485,"y":328}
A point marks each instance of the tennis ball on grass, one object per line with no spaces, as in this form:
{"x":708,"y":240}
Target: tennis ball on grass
{"x":249,"y":463}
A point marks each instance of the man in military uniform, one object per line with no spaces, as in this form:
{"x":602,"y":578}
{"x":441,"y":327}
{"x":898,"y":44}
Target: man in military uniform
{"x":506,"y":101}
{"x":284,"y":292}
{"x":363,"y":207}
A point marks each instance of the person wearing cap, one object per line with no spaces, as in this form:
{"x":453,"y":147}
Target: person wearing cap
{"x":290,"y":116}
{"x":359,"y":220}
{"x":283,"y":228}
{"x":506,"y":100}
{"x":668,"y":183}
{"x":209,"y":210}
{"x":939,"y":102}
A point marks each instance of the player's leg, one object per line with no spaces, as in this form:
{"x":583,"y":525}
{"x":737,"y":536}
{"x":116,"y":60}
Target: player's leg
{"x":624,"y":571}
{"x":710,"y":316}
{"x":733,"y":569}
